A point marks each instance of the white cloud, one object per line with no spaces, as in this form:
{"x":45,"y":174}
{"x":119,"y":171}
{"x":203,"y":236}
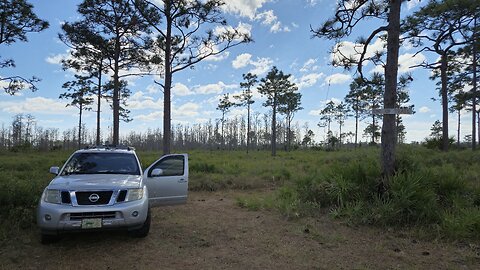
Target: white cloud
{"x":38,"y":105}
{"x":338,"y":78}
{"x":153,"y":89}
{"x":57,"y":58}
{"x":242,"y":60}
{"x":266,"y":17}
{"x":408,"y":60}
{"x":406,"y":63}
{"x":211,"y":67}
{"x":277,"y":27}
{"x":181,"y":89}
{"x":378,"y":69}
{"x":347,"y":49}
{"x":212,"y":50}
{"x":262,"y":65}
{"x":188,"y":109}
{"x":424,"y":109}
{"x":315,"y":112}
{"x":4,"y":84}
{"x":235,"y":112}
{"x":308,"y":80}
{"x":214,"y":88}
{"x":154,"y":116}
{"x":412,"y":3}
{"x":244,"y":8}
{"x":309,"y":65}
{"x":139,"y":101}
{"x":218,"y":57}
{"x":270,"y":19}
{"x":243,"y":29}
{"x":249,"y":8}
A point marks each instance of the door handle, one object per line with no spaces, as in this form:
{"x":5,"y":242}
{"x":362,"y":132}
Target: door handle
{"x":182,"y":180}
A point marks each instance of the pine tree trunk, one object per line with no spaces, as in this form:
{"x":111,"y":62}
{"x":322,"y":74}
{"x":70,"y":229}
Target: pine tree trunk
{"x":443,"y":75}
{"x":116,"y":95}
{"x":374,"y":127}
{"x":248,"y":126}
{"x":356,"y":126}
{"x":289,"y":138}
{"x":223,"y":133}
{"x":474,"y":84}
{"x":274,"y":125}
{"x":99,"y":99}
{"x":478,"y":125}
{"x":389,"y":133}
{"x":168,"y":83}
{"x":340,"y":135}
{"x":80,"y":126}
{"x":458,"y":129}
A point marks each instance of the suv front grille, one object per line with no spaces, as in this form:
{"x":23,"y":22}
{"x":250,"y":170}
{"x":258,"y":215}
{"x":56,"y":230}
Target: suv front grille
{"x":103,"y":215}
{"x":66,"y":197}
{"x":121,"y":196}
{"x":93,"y":197}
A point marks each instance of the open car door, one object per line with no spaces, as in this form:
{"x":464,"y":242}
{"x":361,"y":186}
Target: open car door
{"x":167,"y":180}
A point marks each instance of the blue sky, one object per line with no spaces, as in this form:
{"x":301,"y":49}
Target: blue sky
{"x":281,"y":33}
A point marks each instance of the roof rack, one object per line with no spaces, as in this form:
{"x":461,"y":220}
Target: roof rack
{"x":110,"y":146}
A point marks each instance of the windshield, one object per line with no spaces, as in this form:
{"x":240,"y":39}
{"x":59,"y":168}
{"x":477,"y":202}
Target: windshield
{"x":102,"y":163}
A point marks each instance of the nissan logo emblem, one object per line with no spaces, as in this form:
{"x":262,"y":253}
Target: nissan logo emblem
{"x":93,"y":197}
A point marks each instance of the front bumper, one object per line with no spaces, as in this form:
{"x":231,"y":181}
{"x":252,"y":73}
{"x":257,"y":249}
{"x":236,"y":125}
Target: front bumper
{"x":57,"y":218}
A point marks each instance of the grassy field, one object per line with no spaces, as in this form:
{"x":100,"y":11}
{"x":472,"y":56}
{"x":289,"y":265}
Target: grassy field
{"x":436,"y":193}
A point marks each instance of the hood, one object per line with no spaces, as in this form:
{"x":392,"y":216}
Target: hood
{"x":96,"y":181}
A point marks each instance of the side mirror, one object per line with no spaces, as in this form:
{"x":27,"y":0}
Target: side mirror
{"x":157,"y":172}
{"x":54,"y":170}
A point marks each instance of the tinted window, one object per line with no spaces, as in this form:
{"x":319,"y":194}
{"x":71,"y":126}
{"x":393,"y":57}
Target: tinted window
{"x":171,"y":166}
{"x":102,"y":163}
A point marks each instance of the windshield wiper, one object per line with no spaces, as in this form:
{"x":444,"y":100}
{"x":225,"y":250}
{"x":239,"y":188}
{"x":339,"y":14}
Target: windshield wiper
{"x":105,"y":172}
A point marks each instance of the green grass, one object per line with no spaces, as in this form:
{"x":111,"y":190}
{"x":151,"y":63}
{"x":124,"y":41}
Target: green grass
{"x":433,"y":191}
{"x":23,"y":176}
{"x":436,"y":192}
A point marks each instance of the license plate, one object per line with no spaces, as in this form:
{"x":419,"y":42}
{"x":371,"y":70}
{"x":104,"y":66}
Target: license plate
{"x":91,"y":223}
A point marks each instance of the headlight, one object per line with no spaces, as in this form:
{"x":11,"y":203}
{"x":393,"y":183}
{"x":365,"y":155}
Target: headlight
{"x":52,"y":196}
{"x":134,"y":194}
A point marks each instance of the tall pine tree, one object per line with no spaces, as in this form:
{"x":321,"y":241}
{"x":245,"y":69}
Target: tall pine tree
{"x":183,"y":39}
{"x":124,"y":32}
{"x":275,"y":87}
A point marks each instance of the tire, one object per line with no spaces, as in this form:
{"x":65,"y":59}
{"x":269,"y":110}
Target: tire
{"x":144,"y":230}
{"x":47,"y":239}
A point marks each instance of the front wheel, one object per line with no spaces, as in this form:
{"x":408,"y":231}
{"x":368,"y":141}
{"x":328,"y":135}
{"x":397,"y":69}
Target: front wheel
{"x":144,"y":230}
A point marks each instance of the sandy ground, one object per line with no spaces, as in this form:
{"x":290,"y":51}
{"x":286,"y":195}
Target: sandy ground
{"x":211,"y":232}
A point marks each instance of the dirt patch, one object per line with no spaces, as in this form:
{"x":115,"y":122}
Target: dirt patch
{"x":211,"y":232}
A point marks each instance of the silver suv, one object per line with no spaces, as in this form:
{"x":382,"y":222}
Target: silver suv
{"x":105,"y":188}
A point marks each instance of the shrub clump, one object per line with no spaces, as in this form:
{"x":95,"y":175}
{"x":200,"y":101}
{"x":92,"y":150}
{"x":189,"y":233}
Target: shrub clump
{"x":427,"y":197}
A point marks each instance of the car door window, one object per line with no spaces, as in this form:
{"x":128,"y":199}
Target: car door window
{"x":171,"y":166}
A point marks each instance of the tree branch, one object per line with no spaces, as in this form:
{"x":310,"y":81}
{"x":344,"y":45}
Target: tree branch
{"x":365,"y":47}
